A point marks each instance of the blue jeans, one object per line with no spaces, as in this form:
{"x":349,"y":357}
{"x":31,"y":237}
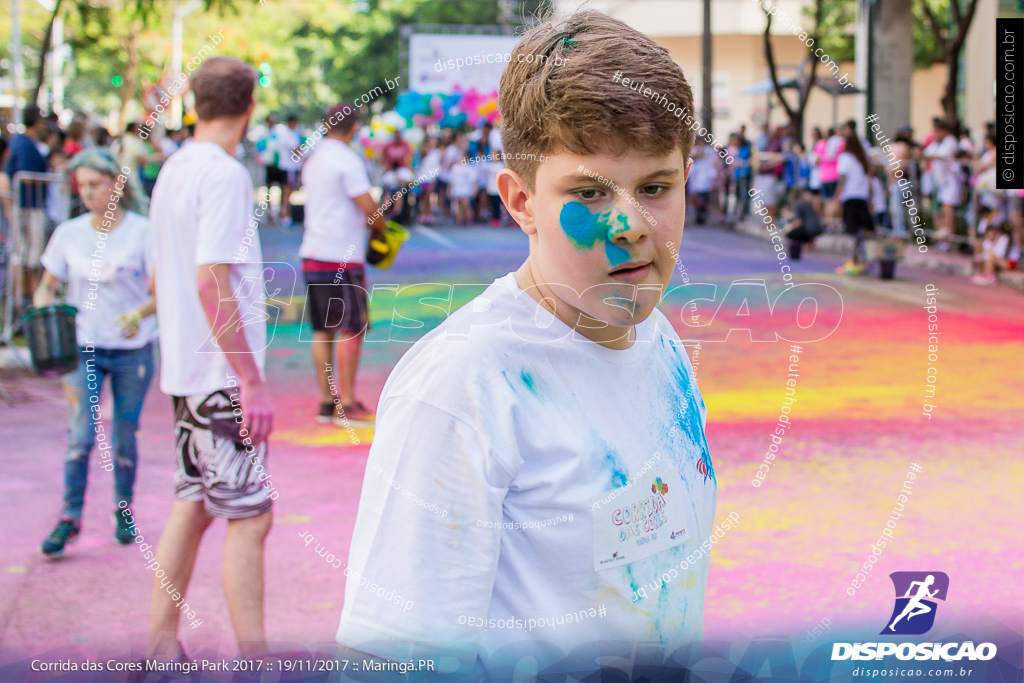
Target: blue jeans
{"x":130,"y":372}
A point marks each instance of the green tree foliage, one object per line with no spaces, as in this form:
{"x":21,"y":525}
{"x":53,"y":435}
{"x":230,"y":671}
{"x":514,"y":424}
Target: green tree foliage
{"x":319,"y":52}
{"x":837,"y":31}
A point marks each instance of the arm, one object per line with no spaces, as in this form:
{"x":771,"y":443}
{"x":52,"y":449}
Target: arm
{"x":129,"y":321}
{"x":433,"y":496}
{"x":5,"y":198}
{"x":910,"y":588}
{"x":369,"y":207}
{"x":228,"y":331}
{"x":46,"y":292}
{"x":839,"y":191}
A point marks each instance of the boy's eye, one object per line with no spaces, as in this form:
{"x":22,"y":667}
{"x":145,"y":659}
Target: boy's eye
{"x":588,"y":194}
{"x":654,"y":190}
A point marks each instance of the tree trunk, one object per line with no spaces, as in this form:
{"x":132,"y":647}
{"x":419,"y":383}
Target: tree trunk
{"x":47,"y":38}
{"x":949,"y":96}
{"x":797,"y":126}
{"x":893,"y":63}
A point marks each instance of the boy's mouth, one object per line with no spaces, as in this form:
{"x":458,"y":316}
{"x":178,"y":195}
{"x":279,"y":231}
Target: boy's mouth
{"x":631,"y":271}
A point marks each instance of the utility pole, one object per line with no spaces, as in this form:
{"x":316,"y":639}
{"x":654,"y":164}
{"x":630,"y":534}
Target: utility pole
{"x":177,"y":29}
{"x":708,"y":113}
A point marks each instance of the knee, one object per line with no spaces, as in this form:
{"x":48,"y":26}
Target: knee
{"x":255,"y":528}
{"x":77,"y":454}
{"x":262,"y":524}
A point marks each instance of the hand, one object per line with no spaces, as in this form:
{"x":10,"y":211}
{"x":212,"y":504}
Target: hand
{"x":256,"y":411}
{"x":129,"y":323}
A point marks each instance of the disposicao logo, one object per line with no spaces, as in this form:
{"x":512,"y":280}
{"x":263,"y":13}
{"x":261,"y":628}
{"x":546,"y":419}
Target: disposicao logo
{"x":922,"y":585}
{"x":914,"y":614}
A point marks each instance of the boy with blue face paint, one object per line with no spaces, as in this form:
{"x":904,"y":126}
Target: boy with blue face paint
{"x":560,"y":391}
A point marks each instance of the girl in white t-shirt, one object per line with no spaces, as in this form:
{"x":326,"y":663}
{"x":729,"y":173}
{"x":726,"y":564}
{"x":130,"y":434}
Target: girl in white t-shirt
{"x":104,"y":257}
{"x":428,"y":170}
{"x":464,"y":182}
{"x":453,"y":153}
{"x":854,"y":192}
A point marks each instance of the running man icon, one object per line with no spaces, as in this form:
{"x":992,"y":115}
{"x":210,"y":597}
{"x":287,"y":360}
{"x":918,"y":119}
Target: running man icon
{"x":915,"y":606}
{"x":913,"y":590}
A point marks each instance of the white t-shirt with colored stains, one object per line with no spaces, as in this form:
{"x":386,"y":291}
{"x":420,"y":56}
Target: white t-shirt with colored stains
{"x":521,"y":472}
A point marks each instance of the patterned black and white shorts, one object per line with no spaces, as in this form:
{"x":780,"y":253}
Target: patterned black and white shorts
{"x":213,"y":464}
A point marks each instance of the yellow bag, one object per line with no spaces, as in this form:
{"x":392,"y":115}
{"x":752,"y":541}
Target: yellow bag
{"x":382,"y":249}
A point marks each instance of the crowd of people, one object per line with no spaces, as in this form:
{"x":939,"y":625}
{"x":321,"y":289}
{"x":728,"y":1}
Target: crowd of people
{"x":940,"y":191}
{"x":449,"y":176}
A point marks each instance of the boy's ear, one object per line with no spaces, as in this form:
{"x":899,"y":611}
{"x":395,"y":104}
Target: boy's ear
{"x":689,"y":163}
{"x":516,"y":197}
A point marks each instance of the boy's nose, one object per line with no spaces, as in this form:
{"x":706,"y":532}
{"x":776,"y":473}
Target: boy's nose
{"x":627,"y":225}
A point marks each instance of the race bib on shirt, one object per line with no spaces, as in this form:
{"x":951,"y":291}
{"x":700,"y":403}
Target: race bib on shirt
{"x":646,"y":518}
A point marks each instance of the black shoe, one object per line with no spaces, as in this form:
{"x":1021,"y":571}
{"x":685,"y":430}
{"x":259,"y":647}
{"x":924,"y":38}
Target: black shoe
{"x":66,"y":532}
{"x":326,"y":413}
{"x":122,"y":529}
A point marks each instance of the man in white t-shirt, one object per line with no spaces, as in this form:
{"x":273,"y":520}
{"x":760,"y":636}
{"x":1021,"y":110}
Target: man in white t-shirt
{"x":333,"y":252}
{"x":210,"y":295}
{"x":539,"y":477}
{"x":941,"y":153}
{"x":287,"y":162}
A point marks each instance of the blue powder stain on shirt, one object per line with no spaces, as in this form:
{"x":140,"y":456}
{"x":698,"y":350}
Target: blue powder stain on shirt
{"x":612,"y":462}
{"x":689,"y":419}
{"x":528,"y":381}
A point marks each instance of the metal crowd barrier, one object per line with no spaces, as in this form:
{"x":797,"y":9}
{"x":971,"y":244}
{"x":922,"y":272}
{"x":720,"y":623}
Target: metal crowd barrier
{"x":29,"y":212}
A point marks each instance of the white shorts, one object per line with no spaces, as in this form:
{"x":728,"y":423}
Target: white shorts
{"x":950,"y":193}
{"x":769,"y":186}
{"x":30,"y":241}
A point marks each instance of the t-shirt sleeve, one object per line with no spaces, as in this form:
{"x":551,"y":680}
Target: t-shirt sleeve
{"x":843,"y":165}
{"x":419,"y":558}
{"x":354,"y":177}
{"x":54,"y":258}
{"x":225,"y":208}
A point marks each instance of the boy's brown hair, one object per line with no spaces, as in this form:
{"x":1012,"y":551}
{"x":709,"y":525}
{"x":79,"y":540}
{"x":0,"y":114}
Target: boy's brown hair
{"x":223,"y":88}
{"x":570,"y":101}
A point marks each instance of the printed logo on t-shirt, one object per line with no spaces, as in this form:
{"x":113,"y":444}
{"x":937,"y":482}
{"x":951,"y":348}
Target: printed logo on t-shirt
{"x":647,"y":520}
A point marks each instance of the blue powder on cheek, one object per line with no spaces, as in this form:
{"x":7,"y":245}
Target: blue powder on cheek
{"x":583,"y":228}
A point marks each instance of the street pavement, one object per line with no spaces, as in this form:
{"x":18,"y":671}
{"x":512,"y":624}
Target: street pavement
{"x":857,"y":427}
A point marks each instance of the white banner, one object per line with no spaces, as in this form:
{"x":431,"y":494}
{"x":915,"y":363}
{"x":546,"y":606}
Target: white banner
{"x":439,"y":62}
